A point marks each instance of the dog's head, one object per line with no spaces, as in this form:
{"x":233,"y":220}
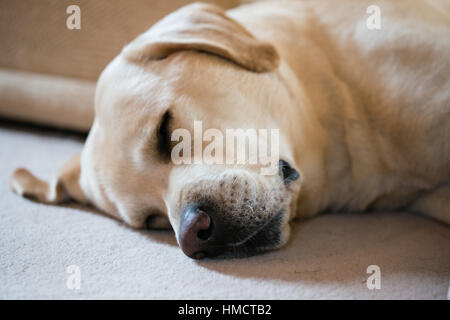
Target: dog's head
{"x":174,"y":92}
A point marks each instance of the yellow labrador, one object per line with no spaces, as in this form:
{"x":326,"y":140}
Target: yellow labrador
{"x":363,"y":115}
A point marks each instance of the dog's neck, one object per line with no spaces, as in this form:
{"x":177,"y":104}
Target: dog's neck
{"x":321,"y":144}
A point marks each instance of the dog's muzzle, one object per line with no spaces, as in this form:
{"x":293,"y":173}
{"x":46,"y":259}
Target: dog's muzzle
{"x":206,"y":230}
{"x":203,"y":236}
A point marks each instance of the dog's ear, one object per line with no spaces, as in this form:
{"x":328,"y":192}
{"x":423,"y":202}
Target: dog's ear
{"x":66,"y":185}
{"x":206,"y":28}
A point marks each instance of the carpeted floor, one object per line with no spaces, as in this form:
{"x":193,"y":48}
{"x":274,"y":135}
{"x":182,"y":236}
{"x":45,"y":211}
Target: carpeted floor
{"x":327,"y":257}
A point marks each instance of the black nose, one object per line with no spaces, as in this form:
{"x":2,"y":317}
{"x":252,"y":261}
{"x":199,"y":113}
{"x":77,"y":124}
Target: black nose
{"x":196,"y":228}
{"x":287,"y":173}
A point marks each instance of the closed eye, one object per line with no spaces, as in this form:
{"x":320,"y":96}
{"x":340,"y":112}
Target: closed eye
{"x":163,"y":136}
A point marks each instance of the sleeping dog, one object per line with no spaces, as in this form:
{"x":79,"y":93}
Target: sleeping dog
{"x":363,"y":116}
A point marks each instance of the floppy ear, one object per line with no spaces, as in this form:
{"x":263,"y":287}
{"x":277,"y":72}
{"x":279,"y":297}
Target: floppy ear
{"x":64,"y":187}
{"x":203,"y":27}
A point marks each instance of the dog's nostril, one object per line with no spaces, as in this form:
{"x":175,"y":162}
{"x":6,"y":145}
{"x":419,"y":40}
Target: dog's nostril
{"x":288,"y":173}
{"x":196,"y":227}
{"x":206,"y":234}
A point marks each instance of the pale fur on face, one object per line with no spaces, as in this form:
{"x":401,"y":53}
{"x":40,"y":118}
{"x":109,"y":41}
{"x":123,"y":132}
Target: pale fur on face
{"x":130,"y":179}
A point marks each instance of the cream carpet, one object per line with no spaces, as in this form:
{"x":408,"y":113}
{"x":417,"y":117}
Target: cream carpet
{"x":327,"y":257}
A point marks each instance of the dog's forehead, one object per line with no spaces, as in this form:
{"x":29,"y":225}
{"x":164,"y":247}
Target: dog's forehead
{"x":131,"y":98}
{"x":126,"y":91}
{"x":124,"y":86}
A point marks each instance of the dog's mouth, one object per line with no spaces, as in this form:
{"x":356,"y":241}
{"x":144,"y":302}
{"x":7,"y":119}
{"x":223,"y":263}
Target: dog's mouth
{"x":267,"y":238}
{"x":228,"y":242}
